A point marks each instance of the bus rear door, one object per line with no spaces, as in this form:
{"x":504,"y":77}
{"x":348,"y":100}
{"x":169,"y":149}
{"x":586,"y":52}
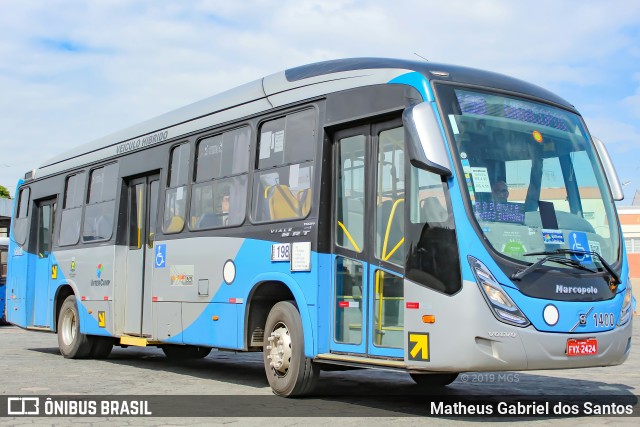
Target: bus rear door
{"x":142,"y":208}
{"x":45,"y":268}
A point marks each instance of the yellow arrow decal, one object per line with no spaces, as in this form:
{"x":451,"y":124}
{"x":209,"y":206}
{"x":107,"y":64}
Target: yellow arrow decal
{"x":420,"y":349}
{"x":54,"y":271}
{"x":101,"y":319}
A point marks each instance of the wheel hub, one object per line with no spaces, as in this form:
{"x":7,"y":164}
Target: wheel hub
{"x":279,"y":349}
{"x":68,"y":327}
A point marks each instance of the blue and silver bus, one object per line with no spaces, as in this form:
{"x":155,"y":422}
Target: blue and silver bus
{"x":365,"y":213}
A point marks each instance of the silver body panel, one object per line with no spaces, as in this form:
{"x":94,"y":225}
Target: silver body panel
{"x":467,"y":337}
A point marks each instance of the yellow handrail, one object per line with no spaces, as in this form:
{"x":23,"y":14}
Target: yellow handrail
{"x":386,"y":234}
{"x":394,"y":250}
{"x":346,"y":233}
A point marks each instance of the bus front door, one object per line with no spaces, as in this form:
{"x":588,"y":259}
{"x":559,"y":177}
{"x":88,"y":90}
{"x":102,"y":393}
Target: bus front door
{"x":368,"y":212}
{"x":45,"y":269}
{"x":142,"y":209}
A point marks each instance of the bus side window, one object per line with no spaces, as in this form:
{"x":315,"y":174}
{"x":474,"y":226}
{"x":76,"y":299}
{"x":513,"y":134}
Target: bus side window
{"x":282,"y":183}
{"x":176,"y":195}
{"x":101,"y":203}
{"x":72,"y":210}
{"x":21,"y":222}
{"x":219,"y":195}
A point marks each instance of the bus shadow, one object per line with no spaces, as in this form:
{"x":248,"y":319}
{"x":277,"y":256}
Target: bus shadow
{"x":381,"y":393}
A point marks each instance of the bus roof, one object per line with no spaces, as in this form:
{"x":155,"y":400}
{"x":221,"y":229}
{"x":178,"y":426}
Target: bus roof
{"x":291,"y":85}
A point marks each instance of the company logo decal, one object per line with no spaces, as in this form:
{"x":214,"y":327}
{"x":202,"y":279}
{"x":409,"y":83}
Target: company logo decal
{"x":582,"y":319}
{"x":100,"y":281}
{"x":581,"y":290}
{"x":181,"y":275}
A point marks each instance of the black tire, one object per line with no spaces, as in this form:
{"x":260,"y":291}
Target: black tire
{"x":72,"y":343}
{"x":186,"y":352}
{"x":433,"y":380}
{"x":291,"y":376}
{"x":101,"y":348}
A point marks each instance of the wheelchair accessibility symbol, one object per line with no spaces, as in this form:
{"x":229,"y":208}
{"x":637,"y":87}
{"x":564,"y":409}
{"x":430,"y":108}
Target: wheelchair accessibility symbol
{"x":579,"y":242}
{"x":161,"y":256}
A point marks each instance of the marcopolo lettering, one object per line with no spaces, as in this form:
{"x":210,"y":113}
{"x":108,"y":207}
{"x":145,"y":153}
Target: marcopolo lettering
{"x":561,"y":289}
{"x":145,"y":141}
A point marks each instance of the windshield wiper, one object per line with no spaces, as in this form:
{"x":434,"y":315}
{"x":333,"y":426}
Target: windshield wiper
{"x":604,"y":263}
{"x":551,"y":256}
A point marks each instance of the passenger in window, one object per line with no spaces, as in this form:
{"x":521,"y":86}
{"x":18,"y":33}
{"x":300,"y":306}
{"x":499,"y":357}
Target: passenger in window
{"x":224,"y":208}
{"x":500,"y":192}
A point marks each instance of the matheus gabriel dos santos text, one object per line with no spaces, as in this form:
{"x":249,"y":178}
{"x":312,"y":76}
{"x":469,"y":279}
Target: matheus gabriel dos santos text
{"x":529,"y":408}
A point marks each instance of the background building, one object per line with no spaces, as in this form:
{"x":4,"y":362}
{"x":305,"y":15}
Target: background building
{"x":630,"y":222}
{"x":6,"y":206}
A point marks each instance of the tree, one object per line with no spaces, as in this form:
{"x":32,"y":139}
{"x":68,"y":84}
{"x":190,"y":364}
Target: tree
{"x":4,"y":193}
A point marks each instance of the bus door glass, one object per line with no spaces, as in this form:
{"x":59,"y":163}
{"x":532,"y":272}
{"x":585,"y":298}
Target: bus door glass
{"x":369,"y":240}
{"x":46,"y":269}
{"x":142,"y":209}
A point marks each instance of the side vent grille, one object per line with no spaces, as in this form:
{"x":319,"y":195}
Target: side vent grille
{"x":257,"y":337}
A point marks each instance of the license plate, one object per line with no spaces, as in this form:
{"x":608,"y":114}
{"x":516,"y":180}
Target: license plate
{"x":582,"y":347}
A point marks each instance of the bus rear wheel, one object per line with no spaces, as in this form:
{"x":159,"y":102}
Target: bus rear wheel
{"x":72,"y":343}
{"x":288,"y":371}
{"x":433,"y":380}
{"x":101,"y":348}
{"x":185,"y":352}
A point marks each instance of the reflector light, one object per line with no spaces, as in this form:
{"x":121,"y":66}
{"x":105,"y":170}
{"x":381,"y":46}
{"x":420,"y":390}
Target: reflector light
{"x":215,"y":318}
{"x":428,"y":318}
{"x":413,"y":305}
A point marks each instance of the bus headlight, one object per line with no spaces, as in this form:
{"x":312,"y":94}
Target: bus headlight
{"x":503,"y":307}
{"x":625,"y":312}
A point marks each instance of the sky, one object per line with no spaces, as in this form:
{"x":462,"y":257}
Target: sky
{"x":72,"y":71}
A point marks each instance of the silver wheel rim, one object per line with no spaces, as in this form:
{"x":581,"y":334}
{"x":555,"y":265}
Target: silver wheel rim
{"x":279,"y":349}
{"x":68,"y":327}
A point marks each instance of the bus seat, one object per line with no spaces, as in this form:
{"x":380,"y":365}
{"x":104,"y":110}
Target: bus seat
{"x":176,"y":225}
{"x":209,"y":220}
{"x":304,"y":200}
{"x":282,"y":203}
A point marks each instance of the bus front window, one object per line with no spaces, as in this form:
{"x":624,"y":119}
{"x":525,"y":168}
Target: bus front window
{"x":532,"y":176}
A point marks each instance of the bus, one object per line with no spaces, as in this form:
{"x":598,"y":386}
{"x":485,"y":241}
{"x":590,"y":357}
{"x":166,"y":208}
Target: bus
{"x":354,"y":213}
{"x":4,"y":260}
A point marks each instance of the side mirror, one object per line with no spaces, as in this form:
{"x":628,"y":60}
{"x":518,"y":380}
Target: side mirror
{"x":609,"y":170}
{"x":426,"y":147}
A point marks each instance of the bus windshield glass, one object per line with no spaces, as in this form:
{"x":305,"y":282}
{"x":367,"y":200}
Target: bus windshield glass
{"x":532,"y":176}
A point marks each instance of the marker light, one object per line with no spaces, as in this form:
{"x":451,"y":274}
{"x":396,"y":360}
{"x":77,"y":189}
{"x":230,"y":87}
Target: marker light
{"x":537,"y":136}
{"x":428,"y":318}
{"x":625,"y":311}
{"x":503,"y":307}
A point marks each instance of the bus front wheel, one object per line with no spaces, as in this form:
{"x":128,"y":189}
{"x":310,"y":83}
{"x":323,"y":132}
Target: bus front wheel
{"x":433,"y":380}
{"x":72,"y":343}
{"x":289,"y":372}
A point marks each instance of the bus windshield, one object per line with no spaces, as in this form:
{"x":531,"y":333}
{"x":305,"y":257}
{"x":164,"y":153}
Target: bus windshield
{"x":532,"y":176}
